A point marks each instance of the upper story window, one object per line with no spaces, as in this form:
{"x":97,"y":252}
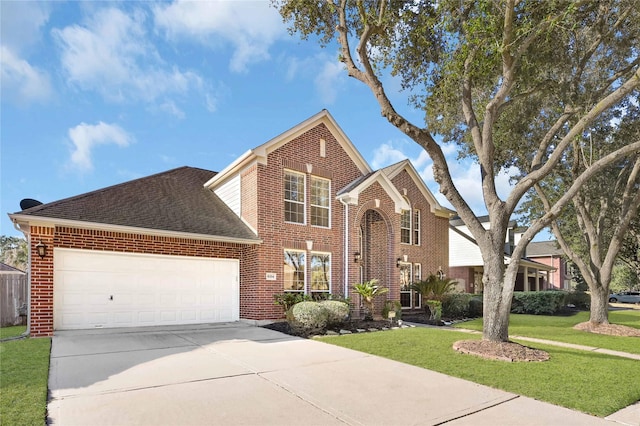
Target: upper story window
{"x":294,"y":199}
{"x":405,"y":227}
{"x":416,"y":227}
{"x":320,"y":194}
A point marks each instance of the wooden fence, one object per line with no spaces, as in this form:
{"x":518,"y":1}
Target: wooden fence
{"x":13,"y":299}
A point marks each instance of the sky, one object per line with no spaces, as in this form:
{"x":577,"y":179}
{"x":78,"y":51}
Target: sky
{"x":98,"y":93}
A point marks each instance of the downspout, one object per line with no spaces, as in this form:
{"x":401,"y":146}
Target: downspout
{"x":346,"y":248}
{"x":27,"y":235}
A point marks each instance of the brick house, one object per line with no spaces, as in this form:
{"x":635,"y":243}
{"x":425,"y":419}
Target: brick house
{"x":302,"y":212}
{"x":548,"y":253}
{"x":466,"y":265}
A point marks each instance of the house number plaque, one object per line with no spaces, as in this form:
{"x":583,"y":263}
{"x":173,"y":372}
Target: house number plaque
{"x":270,"y":276}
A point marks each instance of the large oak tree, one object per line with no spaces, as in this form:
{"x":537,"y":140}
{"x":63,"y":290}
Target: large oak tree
{"x":496,"y":78}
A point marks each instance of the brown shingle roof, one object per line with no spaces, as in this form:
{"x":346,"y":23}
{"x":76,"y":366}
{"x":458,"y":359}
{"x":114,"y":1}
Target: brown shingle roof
{"x":174,"y":200}
{"x":543,"y":248}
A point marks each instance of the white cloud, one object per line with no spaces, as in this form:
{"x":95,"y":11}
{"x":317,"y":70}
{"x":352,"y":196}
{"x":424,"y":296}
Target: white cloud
{"x":329,"y":81}
{"x":85,"y":137}
{"x":387,"y":154}
{"x":21,"y":25}
{"x":251,"y":27}
{"x":22,"y":82}
{"x":111,"y":54}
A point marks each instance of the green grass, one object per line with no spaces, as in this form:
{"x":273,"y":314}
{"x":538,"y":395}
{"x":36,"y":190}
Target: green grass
{"x":12,"y":331}
{"x":561,"y":329}
{"x":24,"y":371}
{"x":593,"y":383}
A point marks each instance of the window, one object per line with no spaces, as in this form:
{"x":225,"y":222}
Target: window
{"x":405,"y":283}
{"x":294,"y":267}
{"x":320,"y":274}
{"x":405,"y":227}
{"x":417,"y":276}
{"x":416,"y":227}
{"x":320,"y":190}
{"x":293,"y":197}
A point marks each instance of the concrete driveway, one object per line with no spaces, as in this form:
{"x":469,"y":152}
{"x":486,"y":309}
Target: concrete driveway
{"x":240,"y":374}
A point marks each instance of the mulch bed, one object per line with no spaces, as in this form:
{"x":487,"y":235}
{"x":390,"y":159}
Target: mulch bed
{"x":354,"y":326}
{"x":501,"y":351}
{"x":608,"y":329}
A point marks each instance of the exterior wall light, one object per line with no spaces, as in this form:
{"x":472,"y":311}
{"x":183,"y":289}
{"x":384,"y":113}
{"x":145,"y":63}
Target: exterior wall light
{"x":357,"y":257}
{"x":42,"y":249}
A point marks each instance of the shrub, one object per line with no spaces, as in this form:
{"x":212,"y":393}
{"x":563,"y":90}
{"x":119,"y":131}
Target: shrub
{"x":579,"y":299}
{"x":538,"y":302}
{"x":392,"y":305}
{"x":337,"y":312}
{"x":308,"y":315}
{"x":435,"y":309}
{"x":475,"y":307}
{"x":456,"y":305}
{"x":287,"y":300}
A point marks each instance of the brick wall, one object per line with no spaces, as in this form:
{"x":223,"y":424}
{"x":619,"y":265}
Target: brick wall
{"x":41,"y":315}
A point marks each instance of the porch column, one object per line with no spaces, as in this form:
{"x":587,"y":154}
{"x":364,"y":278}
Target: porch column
{"x":526,"y":279}
{"x":537,"y":272}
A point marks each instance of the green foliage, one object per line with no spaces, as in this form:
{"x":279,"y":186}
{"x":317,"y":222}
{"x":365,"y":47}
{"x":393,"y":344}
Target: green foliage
{"x":624,"y":278}
{"x":433,"y":289}
{"x":579,"y":299}
{"x":308,"y":315}
{"x":337,"y":312}
{"x":14,"y":252}
{"x":369,"y":290}
{"x":456,"y":305}
{"x":435,"y":309}
{"x":288,"y":299}
{"x":476,"y":307}
{"x":392,"y":305}
{"x":538,"y":302}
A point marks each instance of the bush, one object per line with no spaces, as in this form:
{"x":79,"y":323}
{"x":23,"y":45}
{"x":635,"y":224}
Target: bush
{"x":308,"y":315}
{"x":337,"y":312}
{"x":287,"y":300}
{"x":538,"y":302}
{"x":475,"y":307}
{"x":392,"y":305}
{"x":579,"y":299}
{"x":456,"y":305}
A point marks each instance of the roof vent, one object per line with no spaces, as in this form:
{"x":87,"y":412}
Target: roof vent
{"x":27,"y":203}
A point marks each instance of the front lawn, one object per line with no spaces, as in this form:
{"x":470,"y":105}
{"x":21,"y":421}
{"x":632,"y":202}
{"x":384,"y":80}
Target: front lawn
{"x":589,"y":382}
{"x":13,"y":331}
{"x":24,"y":369}
{"x":560,"y":329}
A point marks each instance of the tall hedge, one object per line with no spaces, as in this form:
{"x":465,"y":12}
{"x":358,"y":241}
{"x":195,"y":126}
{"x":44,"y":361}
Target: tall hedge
{"x":538,"y":302}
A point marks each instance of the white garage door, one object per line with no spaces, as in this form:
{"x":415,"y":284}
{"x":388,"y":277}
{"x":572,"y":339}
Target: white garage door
{"x":104,"y":290}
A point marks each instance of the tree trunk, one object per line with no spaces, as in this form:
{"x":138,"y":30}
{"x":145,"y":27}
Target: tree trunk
{"x":599,"y":305}
{"x":495,"y":308}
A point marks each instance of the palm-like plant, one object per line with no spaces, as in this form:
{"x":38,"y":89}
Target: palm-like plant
{"x":432,"y":290}
{"x":369,"y":290}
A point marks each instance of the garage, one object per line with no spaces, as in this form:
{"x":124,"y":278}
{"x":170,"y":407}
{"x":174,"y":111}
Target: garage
{"x":108,"y":289}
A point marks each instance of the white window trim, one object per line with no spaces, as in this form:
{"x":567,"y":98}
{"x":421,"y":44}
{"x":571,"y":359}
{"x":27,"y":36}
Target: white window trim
{"x":304,"y":284}
{"x":417,"y":276}
{"x":304,"y":194}
{"x":417,"y":231}
{"x":311,"y":254}
{"x":410,"y":227}
{"x":329,"y":198}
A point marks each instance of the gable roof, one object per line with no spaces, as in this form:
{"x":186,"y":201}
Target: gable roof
{"x":351,"y":192}
{"x":405,"y":165}
{"x":8,"y":269}
{"x":543,"y":249}
{"x":169,"y":203}
{"x":259,"y":154}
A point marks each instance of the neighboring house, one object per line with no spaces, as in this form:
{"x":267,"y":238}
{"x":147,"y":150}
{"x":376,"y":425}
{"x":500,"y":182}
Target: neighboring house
{"x":302,"y":212}
{"x":548,"y":253}
{"x":466,"y":265}
{"x":13,"y":295}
